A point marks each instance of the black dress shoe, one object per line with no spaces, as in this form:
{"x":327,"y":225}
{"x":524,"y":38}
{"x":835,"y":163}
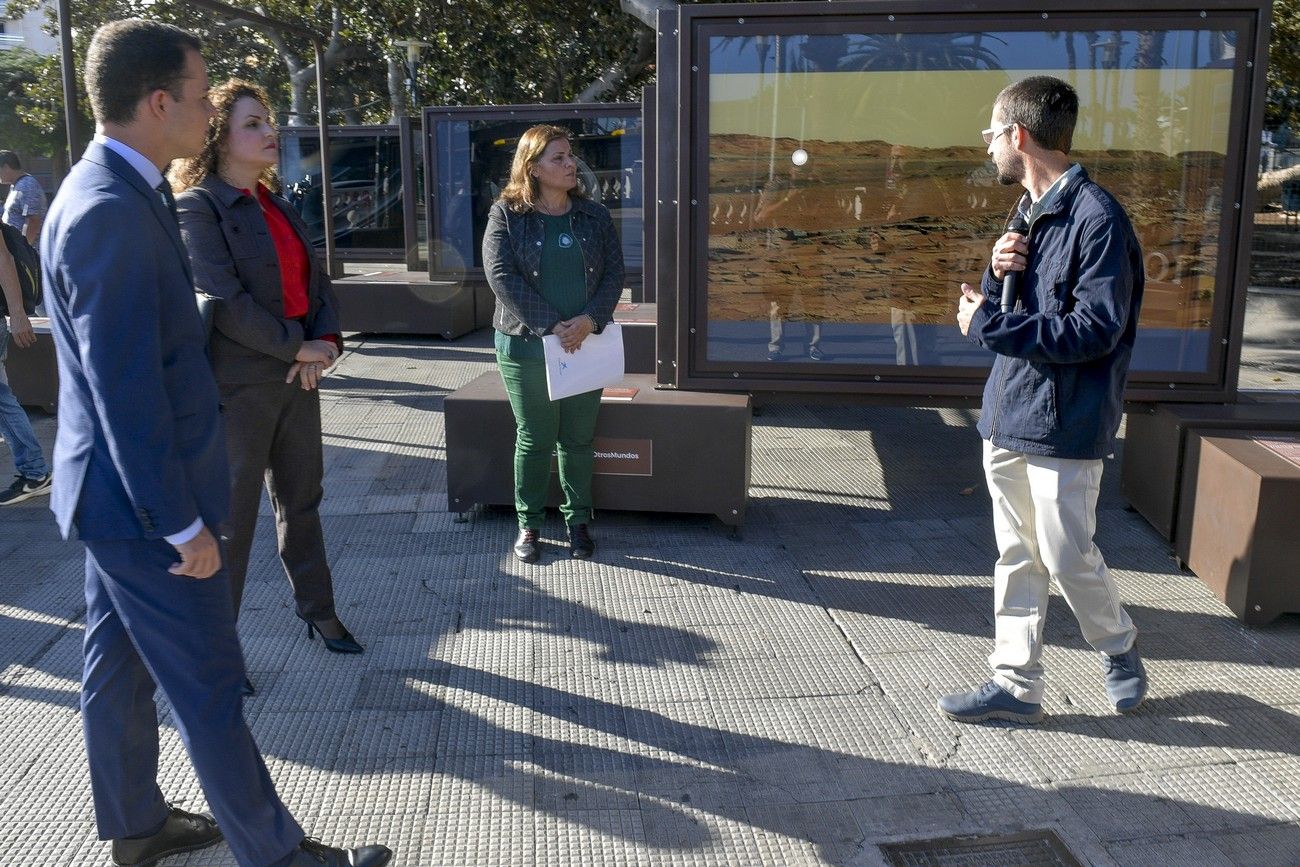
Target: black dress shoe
{"x":343,"y":644}
{"x":313,"y":853}
{"x":182,"y":832}
{"x":580,"y":544}
{"x":528,"y":546}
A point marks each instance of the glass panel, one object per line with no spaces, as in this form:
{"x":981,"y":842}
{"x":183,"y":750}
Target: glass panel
{"x":472,"y":161}
{"x":849,"y":190}
{"x":366,"y":171}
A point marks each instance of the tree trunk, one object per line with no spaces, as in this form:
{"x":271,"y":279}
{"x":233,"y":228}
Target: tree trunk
{"x":646,"y":11}
{"x":300,"y":106}
{"x":302,"y":75}
{"x":614,"y":77}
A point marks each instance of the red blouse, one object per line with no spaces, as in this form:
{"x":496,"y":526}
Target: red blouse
{"x":295,"y":261}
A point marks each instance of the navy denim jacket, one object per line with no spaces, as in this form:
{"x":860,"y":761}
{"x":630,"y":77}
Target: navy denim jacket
{"x":1057,"y":385}
{"x":512,"y":255}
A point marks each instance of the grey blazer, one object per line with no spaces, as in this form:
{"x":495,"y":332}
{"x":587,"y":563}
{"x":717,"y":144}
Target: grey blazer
{"x":235,"y":264}
{"x":512,"y":255}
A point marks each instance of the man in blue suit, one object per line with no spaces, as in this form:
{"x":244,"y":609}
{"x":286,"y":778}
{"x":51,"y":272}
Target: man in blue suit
{"x":141,"y":473}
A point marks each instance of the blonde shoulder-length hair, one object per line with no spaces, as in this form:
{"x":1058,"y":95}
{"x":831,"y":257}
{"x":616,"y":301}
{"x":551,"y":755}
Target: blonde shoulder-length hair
{"x":520,"y":193}
{"x":191,"y":171}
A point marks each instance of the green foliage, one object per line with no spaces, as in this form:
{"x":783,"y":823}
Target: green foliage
{"x":24,"y":123}
{"x":481,"y":52}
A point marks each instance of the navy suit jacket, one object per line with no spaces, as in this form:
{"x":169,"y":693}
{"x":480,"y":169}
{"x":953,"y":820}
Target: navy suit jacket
{"x":140,"y":451}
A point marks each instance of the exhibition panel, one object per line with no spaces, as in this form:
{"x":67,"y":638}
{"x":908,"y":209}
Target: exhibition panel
{"x":469,"y":150}
{"x":835,"y":189}
{"x":375,"y":172}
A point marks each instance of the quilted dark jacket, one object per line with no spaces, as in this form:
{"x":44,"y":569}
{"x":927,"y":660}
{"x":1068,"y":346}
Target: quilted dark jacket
{"x":235,"y":262}
{"x":1057,"y":384}
{"x":512,"y":255}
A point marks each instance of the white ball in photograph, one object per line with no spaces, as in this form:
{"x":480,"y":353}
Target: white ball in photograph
{"x":799,"y":157}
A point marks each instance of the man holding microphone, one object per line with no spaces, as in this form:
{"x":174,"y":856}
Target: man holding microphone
{"x":1053,"y":400}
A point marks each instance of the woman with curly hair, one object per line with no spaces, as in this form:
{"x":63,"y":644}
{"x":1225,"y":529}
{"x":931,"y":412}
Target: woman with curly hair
{"x":275,"y":332}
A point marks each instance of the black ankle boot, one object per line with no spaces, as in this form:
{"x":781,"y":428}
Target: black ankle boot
{"x":528,"y":546}
{"x":580,"y":544}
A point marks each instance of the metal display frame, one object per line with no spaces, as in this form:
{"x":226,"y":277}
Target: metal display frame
{"x":432,"y":115}
{"x":409,"y":252}
{"x":681,"y":242}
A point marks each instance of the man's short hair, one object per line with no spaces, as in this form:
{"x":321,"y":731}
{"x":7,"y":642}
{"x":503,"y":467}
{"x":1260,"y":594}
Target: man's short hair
{"x":1045,"y":106}
{"x":130,"y":59}
{"x":10,"y":160}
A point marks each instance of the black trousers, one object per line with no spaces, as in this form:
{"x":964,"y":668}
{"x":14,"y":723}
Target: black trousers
{"x":273,"y":437}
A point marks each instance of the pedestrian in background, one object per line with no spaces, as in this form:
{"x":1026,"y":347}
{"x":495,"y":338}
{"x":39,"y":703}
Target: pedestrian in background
{"x":33,"y":478}
{"x":25,"y":204}
{"x":1053,"y":401}
{"x":555,"y":263}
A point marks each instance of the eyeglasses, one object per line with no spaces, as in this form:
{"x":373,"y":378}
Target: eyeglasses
{"x":990,"y":134}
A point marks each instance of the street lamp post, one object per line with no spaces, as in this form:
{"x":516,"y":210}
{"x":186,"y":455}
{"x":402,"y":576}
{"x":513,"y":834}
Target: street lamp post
{"x":70,"y":116}
{"x":413,"y":48}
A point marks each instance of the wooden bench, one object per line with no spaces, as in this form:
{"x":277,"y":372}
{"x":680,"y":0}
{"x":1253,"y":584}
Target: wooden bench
{"x":660,"y":451}
{"x":1236,"y":528}
{"x":1156,"y":441}
{"x":34,"y":372}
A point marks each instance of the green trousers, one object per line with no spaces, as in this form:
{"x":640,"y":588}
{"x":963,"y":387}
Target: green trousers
{"x":542,"y":426}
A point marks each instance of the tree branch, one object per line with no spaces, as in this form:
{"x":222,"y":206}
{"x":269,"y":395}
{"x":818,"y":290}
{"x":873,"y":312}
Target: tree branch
{"x":646,"y":11}
{"x":614,"y":77}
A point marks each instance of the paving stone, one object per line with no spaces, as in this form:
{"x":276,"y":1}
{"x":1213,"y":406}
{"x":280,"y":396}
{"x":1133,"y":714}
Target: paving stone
{"x":1128,"y":807}
{"x":689,"y":836}
{"x":51,"y":842}
{"x":900,"y":816}
{"x":596,"y":836}
{"x":1264,"y":847}
{"x":1169,"y":852}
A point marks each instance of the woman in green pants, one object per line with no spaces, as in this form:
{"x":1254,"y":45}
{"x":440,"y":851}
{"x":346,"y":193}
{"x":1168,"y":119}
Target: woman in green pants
{"x":555,"y":263}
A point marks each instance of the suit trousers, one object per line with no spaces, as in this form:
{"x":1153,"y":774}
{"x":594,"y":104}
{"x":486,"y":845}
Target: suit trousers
{"x":147,"y":627}
{"x":1044,"y":517}
{"x":566,"y":427}
{"x":273,"y":437}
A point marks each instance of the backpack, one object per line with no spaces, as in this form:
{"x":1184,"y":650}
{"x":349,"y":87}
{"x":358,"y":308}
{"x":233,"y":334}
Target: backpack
{"x":28,"y":265}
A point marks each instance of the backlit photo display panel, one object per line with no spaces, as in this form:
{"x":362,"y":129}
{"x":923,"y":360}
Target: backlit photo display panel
{"x":366,"y":173}
{"x":847,"y":191}
{"x":470,"y":154}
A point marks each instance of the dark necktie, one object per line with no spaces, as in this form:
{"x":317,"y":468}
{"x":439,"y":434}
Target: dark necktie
{"x":165,"y":191}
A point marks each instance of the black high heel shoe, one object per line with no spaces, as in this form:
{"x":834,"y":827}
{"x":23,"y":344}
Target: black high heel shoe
{"x":344,"y":644}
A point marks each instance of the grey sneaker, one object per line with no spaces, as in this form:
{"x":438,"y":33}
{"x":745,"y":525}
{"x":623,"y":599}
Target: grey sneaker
{"x":1126,"y":680}
{"x":990,"y":701}
{"x":24,"y":488}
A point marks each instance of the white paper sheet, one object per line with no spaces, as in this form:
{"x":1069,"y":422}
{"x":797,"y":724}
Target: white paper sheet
{"x":598,"y":363}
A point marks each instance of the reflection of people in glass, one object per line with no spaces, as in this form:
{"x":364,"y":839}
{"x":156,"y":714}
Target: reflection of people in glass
{"x":1053,"y":401}
{"x":275,"y":332}
{"x":555,"y":263}
{"x":782,"y":208}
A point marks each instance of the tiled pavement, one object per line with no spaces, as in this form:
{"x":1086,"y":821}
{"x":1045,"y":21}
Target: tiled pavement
{"x":686,"y":698}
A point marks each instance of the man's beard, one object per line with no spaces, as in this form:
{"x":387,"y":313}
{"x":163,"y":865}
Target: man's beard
{"x":1012,"y":172}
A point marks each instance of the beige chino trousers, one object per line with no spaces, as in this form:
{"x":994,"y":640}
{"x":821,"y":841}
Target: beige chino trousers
{"x":1044,"y":517}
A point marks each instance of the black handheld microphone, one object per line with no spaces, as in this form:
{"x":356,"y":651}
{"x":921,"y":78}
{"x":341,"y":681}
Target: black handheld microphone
{"x":1009,"y":280}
